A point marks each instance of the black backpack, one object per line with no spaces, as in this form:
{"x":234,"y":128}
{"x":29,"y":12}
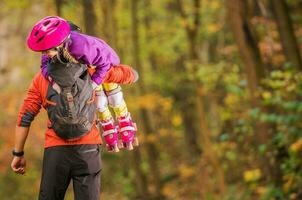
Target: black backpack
{"x":73,"y":112}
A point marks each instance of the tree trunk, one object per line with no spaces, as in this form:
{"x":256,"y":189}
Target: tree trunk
{"x":186,"y":93}
{"x":152,"y":57}
{"x":191,"y":30}
{"x":247,"y":45}
{"x":59,"y":4}
{"x":287,"y":35}
{"x":140,"y":177}
{"x":192,"y":102}
{"x":148,"y":125}
{"x":109,"y":21}
{"x":209,"y":153}
{"x":254,"y":68}
{"x":248,"y":49}
{"x":89,"y":17}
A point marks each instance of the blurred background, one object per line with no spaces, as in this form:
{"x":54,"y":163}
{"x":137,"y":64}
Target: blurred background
{"x":218,"y":104}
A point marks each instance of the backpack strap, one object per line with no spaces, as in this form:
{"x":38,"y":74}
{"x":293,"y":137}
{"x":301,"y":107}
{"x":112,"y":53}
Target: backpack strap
{"x":71,"y":106}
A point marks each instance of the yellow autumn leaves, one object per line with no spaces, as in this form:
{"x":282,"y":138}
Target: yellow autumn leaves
{"x":153,"y":102}
{"x":296,"y":146}
{"x":252,"y":175}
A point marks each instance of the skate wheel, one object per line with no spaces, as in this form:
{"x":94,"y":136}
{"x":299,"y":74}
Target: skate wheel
{"x":108,"y":147}
{"x":129,"y":146}
{"x":135,"y":142}
{"x":120,"y":144}
{"x":115,"y":148}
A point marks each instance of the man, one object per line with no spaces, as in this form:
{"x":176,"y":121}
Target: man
{"x":64,"y":159}
{"x":72,"y":139}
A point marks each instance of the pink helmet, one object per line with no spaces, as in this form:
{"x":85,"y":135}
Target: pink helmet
{"x":48,"y":33}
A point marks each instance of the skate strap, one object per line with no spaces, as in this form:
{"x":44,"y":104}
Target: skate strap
{"x":108,"y":132}
{"x":104,"y":123}
{"x":127,"y":128}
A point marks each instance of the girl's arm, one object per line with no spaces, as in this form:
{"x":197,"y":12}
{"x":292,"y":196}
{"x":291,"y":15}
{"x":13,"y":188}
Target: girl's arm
{"x":93,"y":51}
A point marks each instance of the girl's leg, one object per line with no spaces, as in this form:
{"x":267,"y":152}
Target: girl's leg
{"x":115,"y":98}
{"x":110,"y":132}
{"x":102,"y":104}
{"x":127,"y":127}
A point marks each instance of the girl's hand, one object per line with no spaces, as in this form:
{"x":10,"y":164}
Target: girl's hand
{"x":18,"y":165}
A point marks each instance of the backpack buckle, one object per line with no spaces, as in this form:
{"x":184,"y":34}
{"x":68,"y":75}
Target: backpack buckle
{"x":69,"y":97}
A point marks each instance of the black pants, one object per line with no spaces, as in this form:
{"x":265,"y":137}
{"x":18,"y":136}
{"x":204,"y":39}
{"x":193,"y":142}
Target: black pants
{"x":81,"y":163}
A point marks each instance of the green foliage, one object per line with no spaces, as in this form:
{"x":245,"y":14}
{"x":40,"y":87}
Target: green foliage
{"x":282,"y":91}
{"x":8,"y":5}
{"x":20,"y":188}
{"x":169,"y":75}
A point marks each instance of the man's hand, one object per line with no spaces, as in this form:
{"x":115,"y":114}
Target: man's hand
{"x":18,"y":165}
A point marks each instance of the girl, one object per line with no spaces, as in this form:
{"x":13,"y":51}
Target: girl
{"x":53,"y":37}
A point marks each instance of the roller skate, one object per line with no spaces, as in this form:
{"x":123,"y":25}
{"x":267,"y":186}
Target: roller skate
{"x":127,"y":130}
{"x":110,"y":135}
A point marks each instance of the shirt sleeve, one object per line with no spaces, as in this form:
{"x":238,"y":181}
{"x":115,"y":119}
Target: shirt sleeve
{"x":94,"y":51}
{"x":31,"y":105}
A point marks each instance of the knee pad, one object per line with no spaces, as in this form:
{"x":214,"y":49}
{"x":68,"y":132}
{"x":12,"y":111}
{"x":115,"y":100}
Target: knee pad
{"x":102,"y":102}
{"x":115,"y":97}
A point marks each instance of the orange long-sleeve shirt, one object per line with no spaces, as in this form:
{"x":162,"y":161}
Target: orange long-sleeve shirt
{"x":35,"y":99}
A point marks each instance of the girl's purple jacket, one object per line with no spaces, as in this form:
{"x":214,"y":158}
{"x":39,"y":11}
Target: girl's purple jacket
{"x":91,"y":51}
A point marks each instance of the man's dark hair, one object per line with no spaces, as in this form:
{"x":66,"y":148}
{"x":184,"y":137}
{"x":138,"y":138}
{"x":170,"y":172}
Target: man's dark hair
{"x":74,"y":27}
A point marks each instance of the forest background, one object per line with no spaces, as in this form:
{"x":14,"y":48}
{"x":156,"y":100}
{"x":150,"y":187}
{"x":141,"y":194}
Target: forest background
{"x":218,"y":103}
